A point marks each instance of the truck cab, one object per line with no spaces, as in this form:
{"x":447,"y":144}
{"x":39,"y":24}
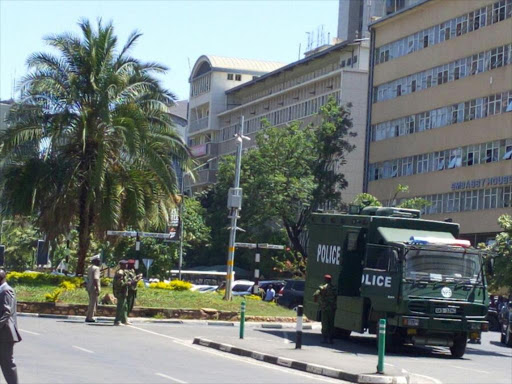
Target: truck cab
{"x":389,"y":263}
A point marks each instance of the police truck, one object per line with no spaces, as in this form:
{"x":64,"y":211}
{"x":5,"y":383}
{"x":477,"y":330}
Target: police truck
{"x":388,"y":263}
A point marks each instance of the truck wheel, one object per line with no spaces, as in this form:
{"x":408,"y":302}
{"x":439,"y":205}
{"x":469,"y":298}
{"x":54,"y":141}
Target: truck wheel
{"x":508,"y":336}
{"x":459,"y":346}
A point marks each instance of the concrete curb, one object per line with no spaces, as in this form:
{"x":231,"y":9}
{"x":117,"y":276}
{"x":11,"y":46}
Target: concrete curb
{"x":302,"y":366}
{"x":177,"y":321}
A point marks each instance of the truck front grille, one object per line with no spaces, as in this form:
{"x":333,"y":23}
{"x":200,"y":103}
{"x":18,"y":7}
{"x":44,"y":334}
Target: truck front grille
{"x":418,"y":306}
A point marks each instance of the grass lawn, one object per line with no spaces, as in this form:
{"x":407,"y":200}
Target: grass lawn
{"x":159,"y":298}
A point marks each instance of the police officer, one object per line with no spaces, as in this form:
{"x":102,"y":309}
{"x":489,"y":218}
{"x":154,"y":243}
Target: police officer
{"x":326,"y":297}
{"x":120,"y":288}
{"x":132,"y":287}
{"x":93,"y":287}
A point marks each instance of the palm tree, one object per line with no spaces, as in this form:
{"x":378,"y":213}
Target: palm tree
{"x":91,"y":141}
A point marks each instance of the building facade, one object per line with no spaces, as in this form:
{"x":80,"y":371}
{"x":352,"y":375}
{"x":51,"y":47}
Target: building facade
{"x":354,"y":16}
{"x":440,"y":116}
{"x":210,"y":78}
{"x":296,"y":92}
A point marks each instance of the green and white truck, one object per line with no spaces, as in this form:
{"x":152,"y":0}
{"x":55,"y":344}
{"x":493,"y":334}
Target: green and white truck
{"x":389,"y":263}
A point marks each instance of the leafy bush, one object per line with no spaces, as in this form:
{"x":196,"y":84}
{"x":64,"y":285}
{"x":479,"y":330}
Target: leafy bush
{"x":38,"y":278}
{"x":68,"y":286}
{"x":175,"y":285}
{"x":53,"y":296}
{"x":105,"y":281}
{"x":140,"y":284}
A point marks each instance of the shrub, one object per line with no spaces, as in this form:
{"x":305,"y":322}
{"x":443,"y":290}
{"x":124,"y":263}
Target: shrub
{"x":67,"y":286}
{"x":140,"y":284}
{"x":105,"y":281}
{"x":253,"y":297}
{"x":175,"y":285}
{"x":38,"y":278}
{"x":53,"y":296}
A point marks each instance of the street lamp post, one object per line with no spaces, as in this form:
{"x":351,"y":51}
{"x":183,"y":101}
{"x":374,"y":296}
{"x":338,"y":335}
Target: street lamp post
{"x":234,"y":204}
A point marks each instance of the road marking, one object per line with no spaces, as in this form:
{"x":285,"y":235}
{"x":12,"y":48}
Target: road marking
{"x":171,"y":378}
{"x":470,"y":369}
{"x":427,"y":377}
{"x":225,"y":355}
{"x":391,"y":365}
{"x":82,"y":349}
{"x":30,"y":332}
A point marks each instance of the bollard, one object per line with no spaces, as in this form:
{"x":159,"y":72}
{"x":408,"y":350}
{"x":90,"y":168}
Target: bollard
{"x":242,"y":319}
{"x":298,"y":339}
{"x":382,"y":345}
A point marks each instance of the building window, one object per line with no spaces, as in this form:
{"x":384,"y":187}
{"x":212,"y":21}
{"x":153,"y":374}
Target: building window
{"x":508,"y":150}
{"x":473,"y":155}
{"x":507,"y":197}
{"x":342,"y":64}
{"x":407,"y":166}
{"x":423,"y":163}
{"x":354,"y":60}
{"x":230,"y":76}
{"x":497,"y":57}
{"x":490,"y":198}
{"x":499,"y":11}
{"x":438,"y":161}
{"x":491,"y":152}
{"x":437,"y":204}
{"x":238,"y":77}
{"x":452,"y":201}
{"x":455,"y":159}
{"x":471,"y":201}
{"x":349,"y":62}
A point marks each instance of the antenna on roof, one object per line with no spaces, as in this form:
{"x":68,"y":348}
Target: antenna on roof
{"x":189,"y":66}
{"x":299,"y":52}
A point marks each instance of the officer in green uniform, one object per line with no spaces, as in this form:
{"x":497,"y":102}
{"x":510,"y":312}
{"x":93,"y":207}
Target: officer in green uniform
{"x":326,"y":297}
{"x":120,"y":288}
{"x":132,"y":287}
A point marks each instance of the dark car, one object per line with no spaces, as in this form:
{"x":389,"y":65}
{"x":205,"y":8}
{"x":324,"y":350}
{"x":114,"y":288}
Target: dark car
{"x":292,"y":294}
{"x":276,"y":284}
{"x":506,"y":324}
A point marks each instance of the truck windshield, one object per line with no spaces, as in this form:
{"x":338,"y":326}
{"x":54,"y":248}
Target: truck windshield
{"x":443,"y":265}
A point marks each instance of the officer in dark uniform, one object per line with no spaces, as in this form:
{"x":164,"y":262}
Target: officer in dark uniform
{"x":326,"y":297}
{"x":120,"y":288}
{"x":132,"y":287}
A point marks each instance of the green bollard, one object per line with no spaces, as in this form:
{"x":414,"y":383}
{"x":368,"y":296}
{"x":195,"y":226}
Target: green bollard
{"x":382,"y":345}
{"x":242,"y":319}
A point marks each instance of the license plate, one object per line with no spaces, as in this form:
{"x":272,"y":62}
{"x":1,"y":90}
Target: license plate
{"x":449,"y":311}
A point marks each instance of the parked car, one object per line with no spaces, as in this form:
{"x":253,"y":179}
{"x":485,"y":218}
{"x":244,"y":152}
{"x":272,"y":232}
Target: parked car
{"x":292,"y":294}
{"x":276,"y":284}
{"x":506,"y":324}
{"x":242,"y":287}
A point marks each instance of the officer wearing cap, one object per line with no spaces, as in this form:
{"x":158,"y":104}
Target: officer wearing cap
{"x":326,"y":297}
{"x":93,"y":287}
{"x":132,"y":287}
{"x":120,"y":288}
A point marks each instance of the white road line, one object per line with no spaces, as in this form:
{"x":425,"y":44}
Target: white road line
{"x":470,"y":369}
{"x":171,"y":378}
{"x":427,"y":377}
{"x":247,"y":360}
{"x":30,"y":332}
{"x":82,"y":349}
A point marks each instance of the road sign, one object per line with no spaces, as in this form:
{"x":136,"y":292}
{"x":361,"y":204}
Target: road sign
{"x":164,"y":236}
{"x":122,"y":233}
{"x":259,"y":245}
{"x":147,"y":263}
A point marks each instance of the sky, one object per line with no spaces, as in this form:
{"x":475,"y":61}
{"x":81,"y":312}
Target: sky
{"x":175,"y":32}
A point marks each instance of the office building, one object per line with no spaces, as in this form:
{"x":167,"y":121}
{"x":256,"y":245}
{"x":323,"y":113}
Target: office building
{"x":440,"y":116}
{"x":285,"y":94}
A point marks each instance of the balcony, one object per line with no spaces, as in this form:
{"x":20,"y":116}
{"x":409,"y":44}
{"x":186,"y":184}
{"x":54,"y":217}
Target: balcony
{"x":207,"y":149}
{"x":204,"y":176}
{"x":198,"y":125}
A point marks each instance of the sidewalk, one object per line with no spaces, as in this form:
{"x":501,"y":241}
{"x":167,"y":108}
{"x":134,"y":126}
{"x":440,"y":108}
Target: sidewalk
{"x":346,"y":360}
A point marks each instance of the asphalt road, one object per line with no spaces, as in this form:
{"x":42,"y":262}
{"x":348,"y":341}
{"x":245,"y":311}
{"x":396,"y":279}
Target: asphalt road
{"x":70,"y":351}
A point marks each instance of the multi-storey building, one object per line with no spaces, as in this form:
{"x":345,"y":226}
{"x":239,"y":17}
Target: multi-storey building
{"x":296,"y":92}
{"x":440,"y":116}
{"x":354,"y":16}
{"x":210,"y":78}
{"x":4,"y":110}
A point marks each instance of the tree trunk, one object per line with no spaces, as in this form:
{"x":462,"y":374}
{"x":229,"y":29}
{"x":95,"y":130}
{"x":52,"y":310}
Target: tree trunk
{"x":84,"y":230}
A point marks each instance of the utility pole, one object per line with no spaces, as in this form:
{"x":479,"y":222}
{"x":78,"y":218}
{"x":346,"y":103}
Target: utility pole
{"x":182,"y":203}
{"x":235,"y":205}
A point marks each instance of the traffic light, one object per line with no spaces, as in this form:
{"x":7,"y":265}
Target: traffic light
{"x":42,"y":253}
{"x":2,"y":255}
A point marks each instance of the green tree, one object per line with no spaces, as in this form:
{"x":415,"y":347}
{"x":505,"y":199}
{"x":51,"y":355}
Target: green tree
{"x":368,"y":200}
{"x":502,"y":248}
{"x":91,"y":142}
{"x":19,"y":234}
{"x":291,"y":171}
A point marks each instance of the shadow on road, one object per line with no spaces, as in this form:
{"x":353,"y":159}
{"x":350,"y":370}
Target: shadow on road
{"x":365,"y":345}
